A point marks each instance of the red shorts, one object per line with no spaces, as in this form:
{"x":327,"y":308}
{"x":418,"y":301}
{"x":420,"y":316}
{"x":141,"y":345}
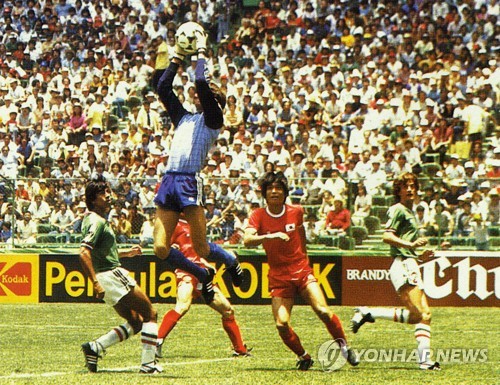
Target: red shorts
{"x":186,"y":278}
{"x":288,"y":286}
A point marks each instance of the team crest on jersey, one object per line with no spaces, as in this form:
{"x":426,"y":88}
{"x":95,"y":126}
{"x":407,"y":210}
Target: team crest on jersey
{"x":290,"y":227}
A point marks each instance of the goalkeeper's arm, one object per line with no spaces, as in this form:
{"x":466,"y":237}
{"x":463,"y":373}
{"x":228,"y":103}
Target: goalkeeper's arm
{"x":167,"y":95}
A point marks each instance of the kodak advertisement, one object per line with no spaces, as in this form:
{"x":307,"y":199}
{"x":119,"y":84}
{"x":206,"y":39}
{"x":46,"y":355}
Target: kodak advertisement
{"x":19,"y":278}
{"x":62,"y":279}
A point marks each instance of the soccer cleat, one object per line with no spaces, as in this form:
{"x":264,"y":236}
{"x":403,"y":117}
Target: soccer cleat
{"x":90,"y":357}
{"x":245,"y":354}
{"x":236,"y":274}
{"x":151,"y":368}
{"x":361,"y":316}
{"x":304,"y":363}
{"x":430,"y":366}
{"x":352,"y":357}
{"x":208,"y":288}
{"x":159,"y":346}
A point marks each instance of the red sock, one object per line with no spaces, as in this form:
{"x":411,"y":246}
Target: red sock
{"x":335,"y":328}
{"x":169,"y":321}
{"x":292,"y":340}
{"x":233,"y":331}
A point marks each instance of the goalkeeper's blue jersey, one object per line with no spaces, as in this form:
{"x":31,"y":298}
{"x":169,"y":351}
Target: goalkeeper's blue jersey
{"x":194,"y":133}
{"x":191,"y":143}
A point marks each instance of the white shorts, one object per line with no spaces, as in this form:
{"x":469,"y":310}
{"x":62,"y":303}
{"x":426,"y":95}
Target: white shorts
{"x":405,"y":271}
{"x":116,"y":284}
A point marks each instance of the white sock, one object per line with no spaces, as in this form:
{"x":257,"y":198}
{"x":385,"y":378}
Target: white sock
{"x":149,"y":337}
{"x":118,"y":334}
{"x":392,"y":314}
{"x":423,"y":337}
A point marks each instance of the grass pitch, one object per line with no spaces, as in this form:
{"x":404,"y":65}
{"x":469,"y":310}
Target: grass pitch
{"x":40,"y":344}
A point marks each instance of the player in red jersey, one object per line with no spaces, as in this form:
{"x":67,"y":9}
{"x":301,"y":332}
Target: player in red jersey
{"x":279,"y":228}
{"x":189,"y":288}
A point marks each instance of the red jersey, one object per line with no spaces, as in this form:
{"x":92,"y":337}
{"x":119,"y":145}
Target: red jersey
{"x":284,"y":258}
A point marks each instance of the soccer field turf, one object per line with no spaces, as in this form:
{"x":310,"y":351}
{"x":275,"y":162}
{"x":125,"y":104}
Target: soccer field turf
{"x":40,"y":344}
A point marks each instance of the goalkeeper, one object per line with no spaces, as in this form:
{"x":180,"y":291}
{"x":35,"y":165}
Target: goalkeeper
{"x":181,"y":187}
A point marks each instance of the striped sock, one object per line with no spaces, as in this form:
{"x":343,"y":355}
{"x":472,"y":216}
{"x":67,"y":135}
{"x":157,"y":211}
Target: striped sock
{"x":393,"y":314}
{"x":149,"y":337}
{"x":423,"y":337}
{"x":118,"y":334}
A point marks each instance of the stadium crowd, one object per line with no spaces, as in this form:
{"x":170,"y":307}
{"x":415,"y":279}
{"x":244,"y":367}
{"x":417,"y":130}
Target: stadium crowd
{"x":340,"y":96}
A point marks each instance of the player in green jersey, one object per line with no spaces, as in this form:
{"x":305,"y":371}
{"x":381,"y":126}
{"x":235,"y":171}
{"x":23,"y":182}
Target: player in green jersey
{"x":100,"y":260}
{"x":401,"y":233}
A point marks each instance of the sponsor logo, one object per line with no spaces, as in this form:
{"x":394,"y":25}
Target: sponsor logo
{"x":62,"y":279}
{"x":367,"y":275}
{"x":475,"y":280}
{"x":15,"y":278}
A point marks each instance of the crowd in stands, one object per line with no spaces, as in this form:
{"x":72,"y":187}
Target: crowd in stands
{"x":341,"y":96}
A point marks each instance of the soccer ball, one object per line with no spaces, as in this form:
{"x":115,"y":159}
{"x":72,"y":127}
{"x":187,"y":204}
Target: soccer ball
{"x":185,"y":37}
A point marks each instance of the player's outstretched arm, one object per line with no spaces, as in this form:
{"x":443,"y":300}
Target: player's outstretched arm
{"x":167,"y":95}
{"x":214,"y":117}
{"x":252,"y":239}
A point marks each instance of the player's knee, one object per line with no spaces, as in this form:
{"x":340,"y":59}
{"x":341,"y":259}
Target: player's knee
{"x":426,"y":316}
{"x":161,"y":250}
{"x":323,"y":312}
{"x":182,"y":308}
{"x":228,"y":313}
{"x":283,"y":327}
{"x":418,"y":315}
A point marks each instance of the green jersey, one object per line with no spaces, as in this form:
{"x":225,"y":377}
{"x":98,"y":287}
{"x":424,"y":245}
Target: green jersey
{"x":99,"y":237}
{"x":403,"y":223}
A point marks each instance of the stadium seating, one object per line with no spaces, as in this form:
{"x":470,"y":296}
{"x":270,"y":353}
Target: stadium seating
{"x":359,"y":233}
{"x":372,"y":224}
{"x":44,"y":228}
{"x":380,"y":212}
{"x":431,"y":169}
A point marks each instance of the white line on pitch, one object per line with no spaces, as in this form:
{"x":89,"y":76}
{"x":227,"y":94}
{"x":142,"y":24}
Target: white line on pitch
{"x":125,"y":369}
{"x":31,"y":375}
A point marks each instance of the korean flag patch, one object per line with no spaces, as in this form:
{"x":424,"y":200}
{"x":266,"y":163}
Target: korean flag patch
{"x":289,"y":227}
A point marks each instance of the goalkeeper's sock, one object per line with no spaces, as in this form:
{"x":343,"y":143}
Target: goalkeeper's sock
{"x":218,"y":254}
{"x":393,"y":314}
{"x":292,"y":340}
{"x":118,"y":334}
{"x":179,"y":261}
{"x":423,"y":337}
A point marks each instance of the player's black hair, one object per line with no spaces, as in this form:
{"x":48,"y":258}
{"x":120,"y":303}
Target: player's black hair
{"x":273,"y":177}
{"x":401,"y":181}
{"x":96,"y":186}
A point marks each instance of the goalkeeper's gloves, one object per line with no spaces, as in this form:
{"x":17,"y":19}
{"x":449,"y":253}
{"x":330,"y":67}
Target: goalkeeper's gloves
{"x":179,"y":53}
{"x":201,"y":41}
